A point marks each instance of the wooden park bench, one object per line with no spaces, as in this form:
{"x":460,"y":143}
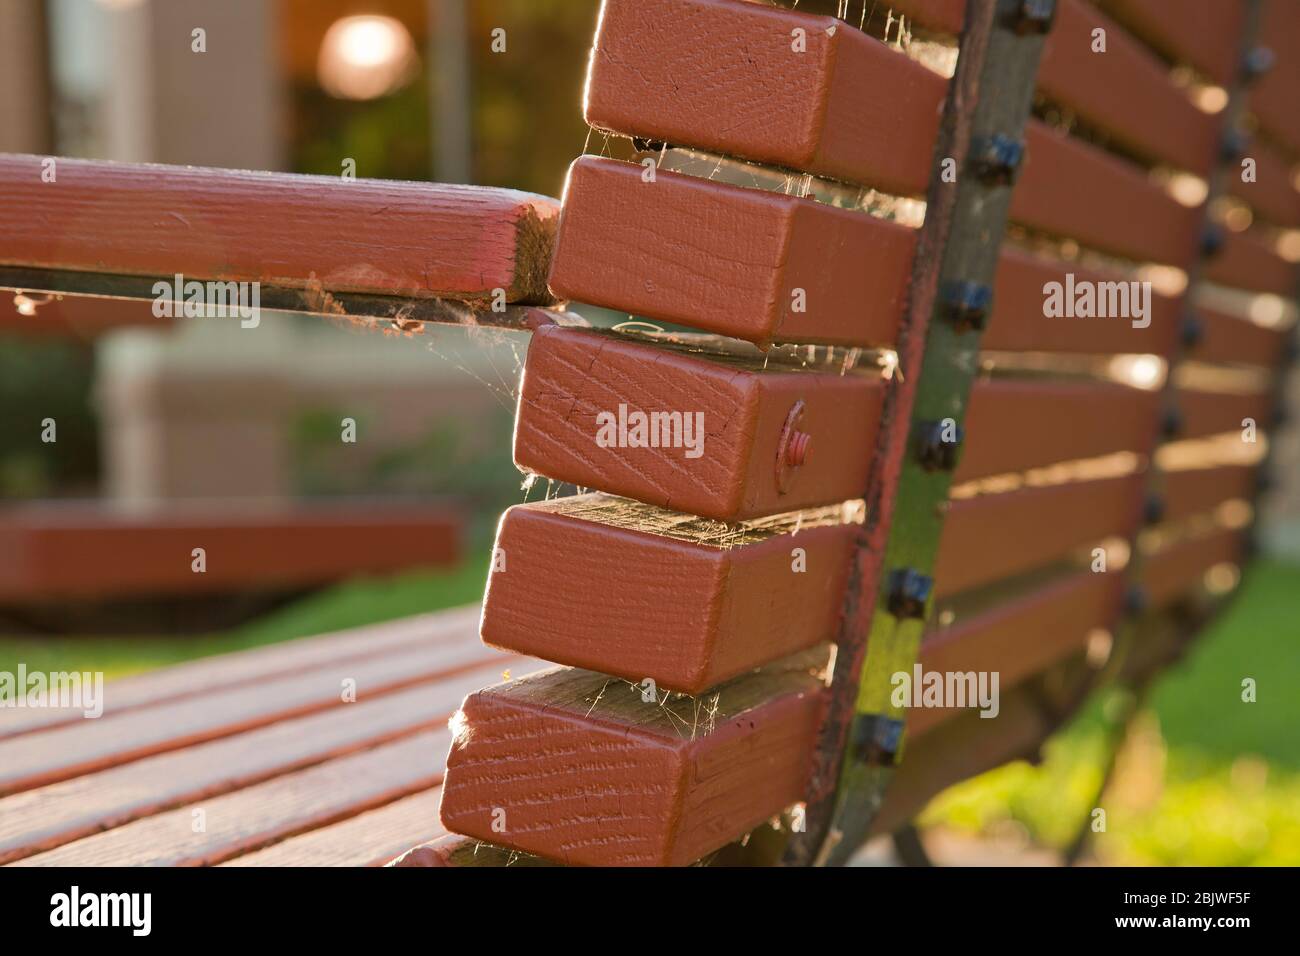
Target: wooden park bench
{"x":854,"y":440}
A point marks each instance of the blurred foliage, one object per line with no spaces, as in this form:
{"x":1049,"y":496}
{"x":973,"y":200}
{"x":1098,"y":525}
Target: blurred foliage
{"x":39,"y":380}
{"x":1205,"y":778}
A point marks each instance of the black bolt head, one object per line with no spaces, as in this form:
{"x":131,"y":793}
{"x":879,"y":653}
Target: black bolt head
{"x":966,"y":304}
{"x":1258,"y":61}
{"x":909,"y":590}
{"x":997,"y":158}
{"x":1192,"y":331}
{"x":1033,"y":16}
{"x":938,"y":445}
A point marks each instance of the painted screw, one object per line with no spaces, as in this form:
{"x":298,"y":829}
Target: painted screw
{"x":796,"y":450}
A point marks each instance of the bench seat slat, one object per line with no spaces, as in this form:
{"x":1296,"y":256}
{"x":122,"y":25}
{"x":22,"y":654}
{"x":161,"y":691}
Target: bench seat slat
{"x":1273,"y":193}
{"x":1246,"y":261}
{"x":1228,"y":338}
{"x":1179,"y":568}
{"x":1213,"y":413}
{"x":1193,"y":491}
{"x":1204,"y":33}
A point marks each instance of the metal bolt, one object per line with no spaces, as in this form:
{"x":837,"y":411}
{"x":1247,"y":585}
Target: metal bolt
{"x":996,"y":159}
{"x":1258,"y":61}
{"x":1033,"y":16}
{"x":1234,"y":144}
{"x":792,"y":448}
{"x":796,"y":450}
{"x":934,"y":451}
{"x":909,"y":590}
{"x":1212,"y":240}
{"x":1192,"y":331}
{"x":966,"y":304}
{"x":1153,"y":510}
{"x":876,"y":739}
{"x":1136,"y":600}
{"x":1171,"y":423}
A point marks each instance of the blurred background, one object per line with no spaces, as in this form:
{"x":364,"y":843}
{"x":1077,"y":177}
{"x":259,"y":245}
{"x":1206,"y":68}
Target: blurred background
{"x":171,"y":423}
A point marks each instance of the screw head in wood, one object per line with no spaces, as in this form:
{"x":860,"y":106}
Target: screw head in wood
{"x":793,"y":448}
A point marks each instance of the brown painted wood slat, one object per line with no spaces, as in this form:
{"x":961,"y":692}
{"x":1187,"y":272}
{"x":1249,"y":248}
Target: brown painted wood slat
{"x":1273,"y":194}
{"x":248,"y":819}
{"x":374,"y":838}
{"x":995,"y":536}
{"x":75,"y":552}
{"x":223,"y":671}
{"x":62,"y":752}
{"x":1204,"y":33}
{"x":1179,"y":568}
{"x":53,"y":815}
{"x":847,"y":107}
{"x":1247,"y":261}
{"x":756,"y":265}
{"x":77,"y":317}
{"x":688,"y":614}
{"x":1071,"y":189}
{"x":573,"y":376}
{"x":1193,"y":491}
{"x":1020,"y":637}
{"x":575,"y":767}
{"x":1016,"y":425}
{"x":317,"y":232}
{"x":1212,"y":413}
{"x":1227,"y":338}
{"x":1017,"y":322}
{"x":1272,"y":99}
{"x":1126,"y":91}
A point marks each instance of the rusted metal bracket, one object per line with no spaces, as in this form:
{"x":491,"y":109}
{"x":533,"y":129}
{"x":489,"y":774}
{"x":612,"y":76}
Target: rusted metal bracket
{"x":988,"y":104}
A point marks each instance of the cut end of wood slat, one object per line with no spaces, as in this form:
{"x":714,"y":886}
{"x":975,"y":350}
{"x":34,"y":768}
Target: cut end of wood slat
{"x":684,"y":610}
{"x":811,"y":93}
{"x":580,"y":768}
{"x":756,"y":265}
{"x":708,"y":436}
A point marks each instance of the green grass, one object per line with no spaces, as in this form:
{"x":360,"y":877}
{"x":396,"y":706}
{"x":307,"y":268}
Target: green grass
{"x":353,"y":604}
{"x":1205,"y":779}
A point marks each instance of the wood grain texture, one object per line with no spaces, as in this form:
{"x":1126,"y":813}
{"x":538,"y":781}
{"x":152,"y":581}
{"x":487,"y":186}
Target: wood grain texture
{"x":1017,"y":322}
{"x":571,"y":376}
{"x":1198,"y":490}
{"x":319,"y":232}
{"x":1177,"y":570}
{"x":847,"y":107}
{"x":62,"y":752}
{"x":995,"y":536}
{"x":1247,"y":261}
{"x":728,"y":259}
{"x":59,"y":813}
{"x":223,"y":671}
{"x":686,"y":614}
{"x":76,"y":552}
{"x":1212,"y":413}
{"x":586,"y":773}
{"x":1228,"y":338}
{"x":1071,"y":189}
{"x":1126,"y":92}
{"x":249,"y":819}
{"x":1019,"y":638}
{"x":1015,"y":425}
{"x":1273,"y":193}
{"x":1204,"y":33}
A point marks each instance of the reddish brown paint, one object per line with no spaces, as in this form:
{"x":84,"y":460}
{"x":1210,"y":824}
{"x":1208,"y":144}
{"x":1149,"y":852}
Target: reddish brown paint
{"x":1072,"y":189}
{"x":996,"y":536}
{"x":1272,"y":98}
{"x":1227,"y":338}
{"x":1126,"y":91}
{"x":1179,"y":568}
{"x":687,"y":615}
{"x":316,"y":232}
{"x":1017,"y":322}
{"x":72,"y":552}
{"x":1247,"y":261}
{"x":78,"y":317}
{"x":848,"y":107}
{"x":1198,"y":490}
{"x":728,"y":259}
{"x":1015,"y":425}
{"x":1212,"y":413}
{"x":1273,"y":193}
{"x":1019,"y":638}
{"x":1204,"y":32}
{"x":571,"y":376}
{"x":604,"y":779}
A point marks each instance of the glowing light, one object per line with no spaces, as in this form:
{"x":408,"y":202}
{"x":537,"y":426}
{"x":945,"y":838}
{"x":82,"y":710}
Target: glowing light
{"x":364,"y":57}
{"x":1140,"y":371}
